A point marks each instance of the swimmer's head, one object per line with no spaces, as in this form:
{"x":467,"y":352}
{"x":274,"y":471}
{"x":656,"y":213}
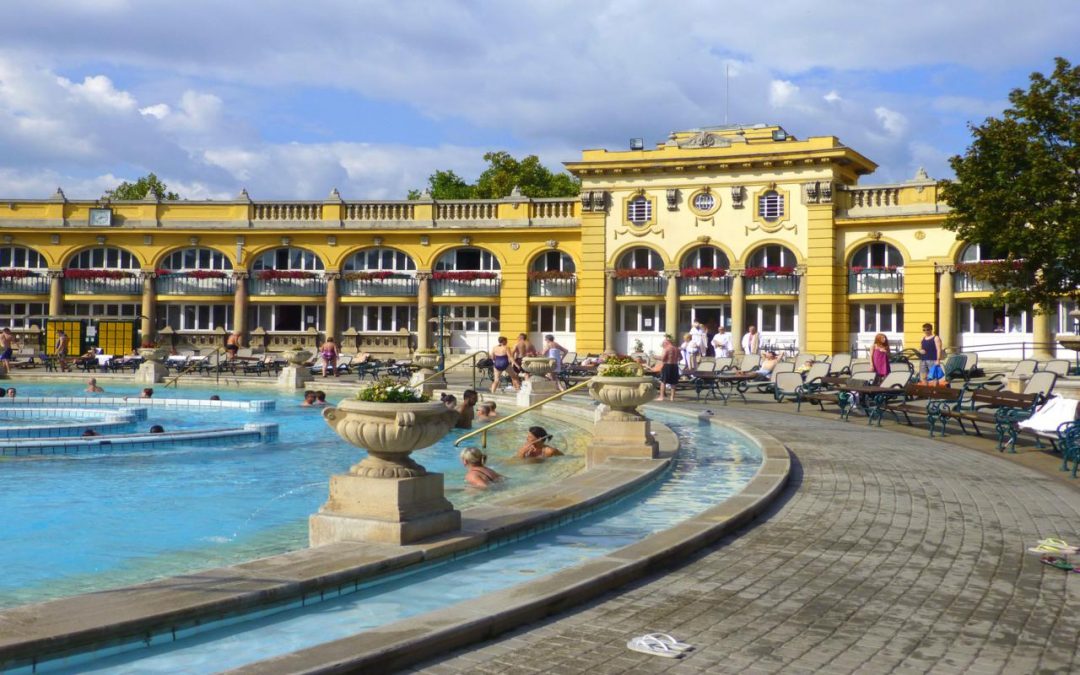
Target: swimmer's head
{"x":473,"y":457}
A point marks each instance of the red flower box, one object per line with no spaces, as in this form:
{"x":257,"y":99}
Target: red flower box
{"x":703,"y":273}
{"x":73,"y":273}
{"x":270,"y":275}
{"x":466,"y":275}
{"x":544,"y":275}
{"x":771,"y":270}
{"x":858,"y":269}
{"x":17,"y":273}
{"x":377,"y":275}
{"x":636,"y":273}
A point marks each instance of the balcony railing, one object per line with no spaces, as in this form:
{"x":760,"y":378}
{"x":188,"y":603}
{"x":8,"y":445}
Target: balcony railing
{"x":38,"y":285}
{"x":963,"y":283}
{"x":456,"y":287}
{"x":875,"y":281}
{"x":553,"y":288}
{"x":312,"y":286}
{"x":773,"y":284}
{"x":705,"y":286}
{"x":179,"y":284}
{"x":641,"y":286}
{"x":379,"y":287}
{"x":127,"y":286}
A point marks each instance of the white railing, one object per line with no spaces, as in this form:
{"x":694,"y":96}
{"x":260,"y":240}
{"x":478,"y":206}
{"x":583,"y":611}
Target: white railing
{"x":553,"y":209}
{"x":873,"y":197}
{"x":286,"y":211}
{"x":466,"y":210}
{"x":379,"y":210}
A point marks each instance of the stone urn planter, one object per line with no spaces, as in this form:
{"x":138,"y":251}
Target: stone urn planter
{"x":296,"y":357}
{"x":389,"y":432}
{"x":538,"y":366}
{"x":155,"y":354}
{"x":622,"y":393}
{"x":426,"y":360}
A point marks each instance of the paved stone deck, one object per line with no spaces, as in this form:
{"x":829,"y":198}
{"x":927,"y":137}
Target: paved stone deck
{"x":889,"y":553}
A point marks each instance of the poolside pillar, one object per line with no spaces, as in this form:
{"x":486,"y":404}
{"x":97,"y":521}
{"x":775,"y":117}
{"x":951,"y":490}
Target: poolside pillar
{"x":149,"y":307}
{"x":333,"y":305}
{"x":803,"y":314}
{"x":738,"y":311}
{"x":423,"y":310}
{"x":240,"y":305}
{"x":1040,"y":324}
{"x":671,"y":305}
{"x":56,"y":292}
{"x":609,"y":312}
{"x":946,"y":328}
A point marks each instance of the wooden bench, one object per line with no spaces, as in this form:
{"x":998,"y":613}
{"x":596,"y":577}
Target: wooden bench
{"x":1003,"y":409}
{"x":923,"y":399}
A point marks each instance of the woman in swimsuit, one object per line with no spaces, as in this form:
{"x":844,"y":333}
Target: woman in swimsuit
{"x":501,"y":356}
{"x":329,"y":357}
{"x":536,"y":447}
{"x":476,"y":474}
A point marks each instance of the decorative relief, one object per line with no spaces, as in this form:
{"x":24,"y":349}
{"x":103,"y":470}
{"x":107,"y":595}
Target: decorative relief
{"x":705,"y":139}
{"x":817,"y":192}
{"x":920,"y":235}
{"x":737,"y":192}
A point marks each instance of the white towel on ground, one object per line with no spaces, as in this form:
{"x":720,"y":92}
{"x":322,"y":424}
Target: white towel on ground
{"x":1051,"y":415}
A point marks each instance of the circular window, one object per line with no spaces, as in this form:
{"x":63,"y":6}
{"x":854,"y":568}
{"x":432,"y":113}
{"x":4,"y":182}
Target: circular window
{"x":704,"y":203}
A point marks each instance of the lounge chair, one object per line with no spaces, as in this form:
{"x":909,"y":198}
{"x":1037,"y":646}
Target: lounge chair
{"x":1041,"y":383}
{"x":861,"y":367}
{"x":782,"y":367}
{"x":1059,"y":367}
{"x":749,"y":362}
{"x":787,"y":385}
{"x":841,"y":364}
{"x":898,"y":379}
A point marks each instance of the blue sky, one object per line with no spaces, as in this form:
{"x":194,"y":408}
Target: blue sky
{"x":292,"y":99}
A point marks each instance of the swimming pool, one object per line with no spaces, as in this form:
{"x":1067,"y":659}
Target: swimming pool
{"x":75,"y":524}
{"x":713,"y":464}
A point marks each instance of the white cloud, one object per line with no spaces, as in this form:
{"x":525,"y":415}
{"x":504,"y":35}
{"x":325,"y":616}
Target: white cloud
{"x":98,"y":90}
{"x":781,"y":92}
{"x":158,"y":110}
{"x":893,"y":122}
{"x":832,"y":96}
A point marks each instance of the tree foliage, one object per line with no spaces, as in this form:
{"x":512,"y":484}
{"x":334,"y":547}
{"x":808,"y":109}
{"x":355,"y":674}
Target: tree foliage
{"x":501,"y":176}
{"x":1017,"y":189}
{"x":149,"y":184}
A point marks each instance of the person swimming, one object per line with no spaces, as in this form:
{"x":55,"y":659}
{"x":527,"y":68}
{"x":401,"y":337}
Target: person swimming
{"x":476,"y":473}
{"x":536,"y":445}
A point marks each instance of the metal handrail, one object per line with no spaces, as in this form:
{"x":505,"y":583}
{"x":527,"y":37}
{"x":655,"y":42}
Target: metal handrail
{"x":484,"y":429}
{"x":452,"y":365}
{"x":192,"y":368}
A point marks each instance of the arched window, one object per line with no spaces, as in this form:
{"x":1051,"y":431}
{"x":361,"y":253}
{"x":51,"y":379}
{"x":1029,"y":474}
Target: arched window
{"x":706,"y":257}
{"x":640,"y":258}
{"x":467,"y":259}
{"x":289,"y":258}
{"x":21,"y":257}
{"x":878,"y":255}
{"x":196,"y":258}
{"x":980,"y":253}
{"x":380,"y":260}
{"x":773,"y":255}
{"x":553,"y":261}
{"x":104,"y":258}
{"x":639,"y":210}
{"x":771,"y":205}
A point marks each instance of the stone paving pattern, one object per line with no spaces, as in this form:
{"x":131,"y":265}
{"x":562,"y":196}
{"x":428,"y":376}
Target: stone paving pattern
{"x":888,"y":552}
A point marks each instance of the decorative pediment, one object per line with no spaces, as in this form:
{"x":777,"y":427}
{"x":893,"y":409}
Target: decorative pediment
{"x":705,"y":139}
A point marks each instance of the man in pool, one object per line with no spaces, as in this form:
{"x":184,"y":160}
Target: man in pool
{"x":92,"y":387}
{"x":11,"y":392}
{"x":309,"y":399}
{"x":467,"y":409}
{"x":536,"y":446}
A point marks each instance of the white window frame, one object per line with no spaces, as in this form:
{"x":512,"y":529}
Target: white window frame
{"x":385,"y":260}
{"x":204,"y":259}
{"x":448,"y":262}
{"x":104,"y":258}
{"x":771,"y":205}
{"x":296,"y":259}
{"x":195,"y":317}
{"x":639,"y":210}
{"x":369,"y":318}
{"x":17,"y":314}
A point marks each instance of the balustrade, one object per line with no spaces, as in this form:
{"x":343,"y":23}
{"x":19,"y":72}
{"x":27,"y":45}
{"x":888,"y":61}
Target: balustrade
{"x":965,"y":283}
{"x":705,"y":286}
{"x":876,"y":281}
{"x":286,"y":211}
{"x":873,"y":197}
{"x":286,"y":286}
{"x":772,"y":284}
{"x":461,"y":287}
{"x":551,"y":209}
{"x":182,"y":284}
{"x":641,"y":286}
{"x":380,"y":210}
{"x":466,"y":210}
{"x":553,"y":288}
{"x":379,"y":287}
{"x":30,"y":285}
{"x":92,"y":286}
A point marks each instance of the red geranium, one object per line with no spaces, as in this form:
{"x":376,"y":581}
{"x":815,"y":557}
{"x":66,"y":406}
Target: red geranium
{"x":269,"y":275}
{"x":376,"y":275}
{"x":543,"y":275}
{"x":703,"y":273}
{"x":17,"y":273}
{"x":74,"y":273}
{"x":636,"y":273}
{"x":771,"y":270}
{"x":465,"y":275}
{"x":857,"y":269}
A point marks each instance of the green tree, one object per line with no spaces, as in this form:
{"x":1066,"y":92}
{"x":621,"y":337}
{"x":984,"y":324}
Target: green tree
{"x":501,"y":176}
{"x":149,"y":184}
{"x":1017,"y":189}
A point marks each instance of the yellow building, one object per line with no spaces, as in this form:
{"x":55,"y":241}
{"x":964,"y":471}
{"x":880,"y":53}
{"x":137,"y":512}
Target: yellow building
{"x":732,"y":226}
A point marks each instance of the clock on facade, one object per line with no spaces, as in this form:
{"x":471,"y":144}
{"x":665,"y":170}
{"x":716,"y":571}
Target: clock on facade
{"x":100,"y":217}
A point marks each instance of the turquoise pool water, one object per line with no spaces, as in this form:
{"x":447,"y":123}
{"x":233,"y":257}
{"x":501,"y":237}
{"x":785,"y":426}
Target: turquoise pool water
{"x":74,"y":524}
{"x":713,"y":465}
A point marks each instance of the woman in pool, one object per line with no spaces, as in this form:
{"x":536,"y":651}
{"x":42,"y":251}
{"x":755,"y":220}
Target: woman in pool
{"x":536,"y":445}
{"x":476,"y":474}
{"x":500,"y":354}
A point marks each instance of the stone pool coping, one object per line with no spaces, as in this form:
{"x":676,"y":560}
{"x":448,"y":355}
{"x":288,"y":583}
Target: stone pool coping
{"x":409,"y":641}
{"x":136,"y":402}
{"x":104,"y":622}
{"x":32,"y":447}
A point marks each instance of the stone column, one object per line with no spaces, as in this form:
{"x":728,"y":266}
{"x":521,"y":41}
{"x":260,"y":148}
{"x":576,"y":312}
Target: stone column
{"x":1042,"y":335}
{"x":738,"y":311}
{"x":803,"y":313}
{"x":240,"y":305}
{"x":423,"y":310}
{"x":946,"y":328}
{"x":149,"y":307}
{"x":333,"y":305}
{"x":609,"y":311}
{"x":671,"y":305}
{"x":56,"y":292}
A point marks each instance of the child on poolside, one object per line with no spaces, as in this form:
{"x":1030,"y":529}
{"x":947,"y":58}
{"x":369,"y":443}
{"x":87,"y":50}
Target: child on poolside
{"x":536,"y":447}
{"x":476,"y":474}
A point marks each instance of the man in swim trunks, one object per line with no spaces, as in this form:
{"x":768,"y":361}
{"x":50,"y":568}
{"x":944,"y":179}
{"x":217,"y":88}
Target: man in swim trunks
{"x":232,"y":345}
{"x":7,"y":348}
{"x":467,"y":410}
{"x":61,"y":350}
